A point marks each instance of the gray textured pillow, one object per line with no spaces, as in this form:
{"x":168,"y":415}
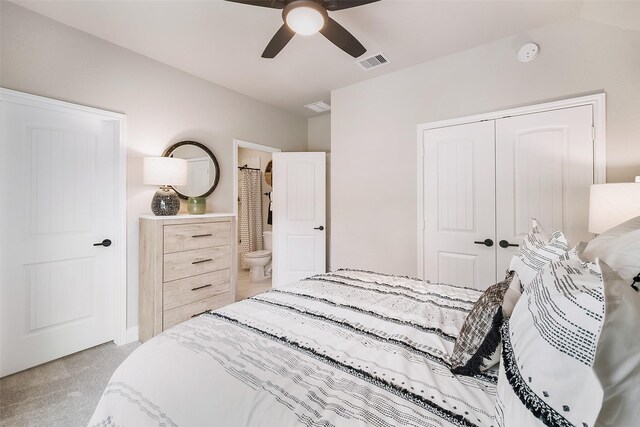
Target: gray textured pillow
{"x":477,"y":346}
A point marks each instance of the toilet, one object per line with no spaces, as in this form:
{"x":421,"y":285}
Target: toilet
{"x":258,"y":261}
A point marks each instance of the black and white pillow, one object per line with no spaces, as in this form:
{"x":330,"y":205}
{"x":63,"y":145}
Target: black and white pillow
{"x":536,"y":251}
{"x":477,"y":347}
{"x":548,"y":349}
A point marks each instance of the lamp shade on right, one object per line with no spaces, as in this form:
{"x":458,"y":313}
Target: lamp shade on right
{"x":612,"y":204}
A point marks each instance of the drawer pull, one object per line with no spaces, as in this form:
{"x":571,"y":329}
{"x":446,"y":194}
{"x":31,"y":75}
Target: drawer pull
{"x":198,"y":314}
{"x":203,"y":235}
{"x":201,"y":261}
{"x":201,"y":287}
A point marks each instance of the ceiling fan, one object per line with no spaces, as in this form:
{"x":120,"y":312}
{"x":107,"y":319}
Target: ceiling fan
{"x":308,"y":17}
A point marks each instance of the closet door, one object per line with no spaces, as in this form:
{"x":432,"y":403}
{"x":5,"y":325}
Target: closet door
{"x":459,"y":205}
{"x":544,"y":170}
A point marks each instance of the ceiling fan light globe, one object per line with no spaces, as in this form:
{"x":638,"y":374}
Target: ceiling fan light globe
{"x":305,"y":20}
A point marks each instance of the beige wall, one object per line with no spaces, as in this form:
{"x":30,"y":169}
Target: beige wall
{"x":163,"y":105}
{"x":373,"y":126}
{"x":319,"y":133}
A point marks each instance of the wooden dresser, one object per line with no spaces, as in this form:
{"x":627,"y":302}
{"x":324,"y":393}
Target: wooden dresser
{"x":187,"y":267}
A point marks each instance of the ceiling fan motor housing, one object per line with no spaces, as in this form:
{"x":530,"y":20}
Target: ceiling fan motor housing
{"x":311,"y":4}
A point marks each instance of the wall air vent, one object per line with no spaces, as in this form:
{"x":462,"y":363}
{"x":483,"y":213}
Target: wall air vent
{"x":372,"y":62}
{"x":318,"y":107}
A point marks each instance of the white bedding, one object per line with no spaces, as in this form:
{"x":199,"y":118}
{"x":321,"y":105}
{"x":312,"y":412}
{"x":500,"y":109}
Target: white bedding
{"x":347,"y":348}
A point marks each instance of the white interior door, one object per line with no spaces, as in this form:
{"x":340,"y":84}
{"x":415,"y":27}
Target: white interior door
{"x":459,"y":205}
{"x":298,"y":197}
{"x":545,"y":166}
{"x":59,"y":188}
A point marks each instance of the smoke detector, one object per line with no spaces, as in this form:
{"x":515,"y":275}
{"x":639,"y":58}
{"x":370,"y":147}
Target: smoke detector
{"x":528,"y":52}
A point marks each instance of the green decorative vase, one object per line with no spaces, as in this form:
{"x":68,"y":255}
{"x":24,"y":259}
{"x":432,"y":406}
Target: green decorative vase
{"x":196,"y":205}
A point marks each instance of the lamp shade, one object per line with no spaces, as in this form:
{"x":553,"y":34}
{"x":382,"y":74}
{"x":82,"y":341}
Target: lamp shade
{"x":613,"y":204}
{"x":164,"y":171}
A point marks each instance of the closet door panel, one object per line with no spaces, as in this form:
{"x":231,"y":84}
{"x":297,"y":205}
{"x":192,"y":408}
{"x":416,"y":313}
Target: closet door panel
{"x":459,"y":204}
{"x":544,"y":170}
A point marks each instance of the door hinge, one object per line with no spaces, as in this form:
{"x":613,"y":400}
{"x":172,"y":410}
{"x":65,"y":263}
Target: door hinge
{"x":593,"y":133}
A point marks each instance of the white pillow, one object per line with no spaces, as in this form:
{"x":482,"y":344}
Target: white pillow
{"x":549,"y":347}
{"x":511,"y":297}
{"x":536,"y":251}
{"x":617,"y":361}
{"x":619,"y":247}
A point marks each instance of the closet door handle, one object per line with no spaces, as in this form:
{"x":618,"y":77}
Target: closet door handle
{"x":319,"y":228}
{"x":487,"y":242}
{"x":506,"y":244}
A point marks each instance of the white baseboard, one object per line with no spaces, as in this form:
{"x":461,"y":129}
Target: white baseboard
{"x":130,"y":336}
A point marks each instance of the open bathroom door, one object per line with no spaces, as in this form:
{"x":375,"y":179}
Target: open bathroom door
{"x":299,"y":228}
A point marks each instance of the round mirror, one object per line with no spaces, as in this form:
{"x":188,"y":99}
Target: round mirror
{"x":202,"y":166}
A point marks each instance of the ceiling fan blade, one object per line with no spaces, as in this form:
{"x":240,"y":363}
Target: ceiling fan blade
{"x":344,"y":4}
{"x":274,"y":4}
{"x":278,"y":41}
{"x":342,"y":38}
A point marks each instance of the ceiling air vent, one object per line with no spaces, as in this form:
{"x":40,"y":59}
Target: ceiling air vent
{"x":372,"y":62}
{"x":318,"y":107}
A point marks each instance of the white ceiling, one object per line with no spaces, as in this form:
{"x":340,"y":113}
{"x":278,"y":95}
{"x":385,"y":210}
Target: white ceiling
{"x":222,"y":41}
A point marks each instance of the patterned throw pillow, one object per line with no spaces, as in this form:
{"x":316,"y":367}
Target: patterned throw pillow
{"x":477,"y":346}
{"x":549,"y":347}
{"x":536,"y":251}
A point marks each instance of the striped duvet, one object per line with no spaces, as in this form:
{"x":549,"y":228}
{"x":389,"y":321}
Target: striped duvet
{"x":348,"y":348}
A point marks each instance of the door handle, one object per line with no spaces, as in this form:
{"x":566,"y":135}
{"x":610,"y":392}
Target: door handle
{"x":106,"y":243}
{"x":506,"y":244}
{"x":487,"y":242}
{"x":319,"y":228}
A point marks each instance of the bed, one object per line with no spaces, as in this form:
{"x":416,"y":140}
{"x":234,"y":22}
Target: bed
{"x":346,"y":348}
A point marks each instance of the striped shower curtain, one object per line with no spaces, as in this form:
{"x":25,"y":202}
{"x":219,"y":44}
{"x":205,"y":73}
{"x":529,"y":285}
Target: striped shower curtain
{"x":250,"y":212}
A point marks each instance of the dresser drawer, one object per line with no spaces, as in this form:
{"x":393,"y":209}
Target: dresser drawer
{"x":184,"y":237}
{"x":185,"y":291}
{"x":179,"y":265}
{"x":180,"y":314}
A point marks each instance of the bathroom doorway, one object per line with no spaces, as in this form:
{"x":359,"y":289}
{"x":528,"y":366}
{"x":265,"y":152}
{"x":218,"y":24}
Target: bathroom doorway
{"x":252,"y":195}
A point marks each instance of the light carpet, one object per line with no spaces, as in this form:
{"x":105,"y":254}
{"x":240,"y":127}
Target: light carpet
{"x":64,"y":392}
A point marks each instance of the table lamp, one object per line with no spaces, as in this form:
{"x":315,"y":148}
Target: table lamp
{"x":165,"y":172}
{"x":613,"y":204}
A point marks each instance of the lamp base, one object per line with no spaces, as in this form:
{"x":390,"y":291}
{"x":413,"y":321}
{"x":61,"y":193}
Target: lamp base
{"x":165,"y":202}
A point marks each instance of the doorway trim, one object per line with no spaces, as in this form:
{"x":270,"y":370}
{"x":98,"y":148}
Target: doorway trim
{"x":121,"y":335}
{"x":597,"y":101}
{"x":238,"y":143}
